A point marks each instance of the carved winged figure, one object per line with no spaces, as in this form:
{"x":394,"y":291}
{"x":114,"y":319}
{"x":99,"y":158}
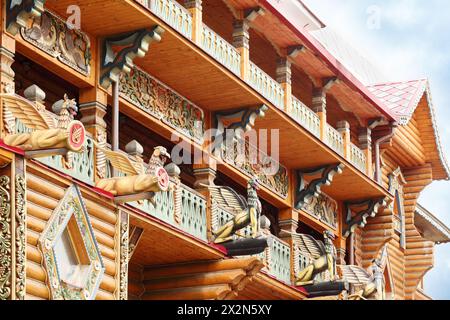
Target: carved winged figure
{"x":371,"y":281}
{"x":322,"y":254}
{"x":246,"y":211}
{"x":46,"y":132}
{"x":139,"y":178}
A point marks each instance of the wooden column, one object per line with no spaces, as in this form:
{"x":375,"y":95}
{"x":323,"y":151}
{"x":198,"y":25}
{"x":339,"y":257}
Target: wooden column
{"x":344,"y":129}
{"x":93,"y":103}
{"x":7,"y":51}
{"x":288,"y":222}
{"x":365,"y":143}
{"x":195,"y":8}
{"x":241,"y":41}
{"x":205,"y":174}
{"x":319,"y":106}
{"x":284,"y":75}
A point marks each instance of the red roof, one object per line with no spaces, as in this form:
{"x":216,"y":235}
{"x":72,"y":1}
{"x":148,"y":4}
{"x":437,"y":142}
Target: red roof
{"x":401,"y":98}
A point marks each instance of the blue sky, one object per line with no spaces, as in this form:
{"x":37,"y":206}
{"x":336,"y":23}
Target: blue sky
{"x":406,"y":39}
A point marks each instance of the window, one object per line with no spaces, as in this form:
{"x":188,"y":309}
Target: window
{"x":71,"y":256}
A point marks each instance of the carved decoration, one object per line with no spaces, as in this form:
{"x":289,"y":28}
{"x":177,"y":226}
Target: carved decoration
{"x":5,"y":238}
{"x":253,"y":162}
{"x":51,"y":34}
{"x":100,"y":155}
{"x":71,"y":209}
{"x":124,"y":256}
{"x":163,"y":103}
{"x":46,"y":134}
{"x":305,"y":192}
{"x":370,"y":210}
{"x":18,"y":12}
{"x":240,"y":121}
{"x":20,"y":236}
{"x":246,"y":212}
{"x":318,"y":258}
{"x":323,"y":208}
{"x":129,"y":46}
{"x":140,"y":182}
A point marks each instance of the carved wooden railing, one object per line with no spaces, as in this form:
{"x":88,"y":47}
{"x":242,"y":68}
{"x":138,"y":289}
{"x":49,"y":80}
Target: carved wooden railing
{"x":334,"y":139}
{"x":278,"y":260}
{"x":193,"y":213}
{"x":305,"y":116}
{"x":358,"y":158}
{"x":163,"y":103}
{"x":265,"y":85}
{"x":164,"y":208}
{"x":173,"y":13}
{"x":221,"y":50}
{"x":244,"y":161}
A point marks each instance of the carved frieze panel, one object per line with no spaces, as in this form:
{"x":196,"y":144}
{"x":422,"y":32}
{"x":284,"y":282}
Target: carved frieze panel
{"x":51,"y":34}
{"x":323,"y":208}
{"x":5,"y":238}
{"x":253,"y":162}
{"x":158,"y":100}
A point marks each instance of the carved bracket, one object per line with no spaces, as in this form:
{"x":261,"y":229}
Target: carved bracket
{"x":130,"y":46}
{"x":370,"y":210}
{"x":306,"y":192}
{"x":241,"y":121}
{"x":18,"y":12}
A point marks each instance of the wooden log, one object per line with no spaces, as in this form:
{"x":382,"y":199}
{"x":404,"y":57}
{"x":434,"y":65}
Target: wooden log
{"x":213,"y":278}
{"x":198,"y":293}
{"x":37,"y":288}
{"x":36,"y":224}
{"x":104,"y":239}
{"x":107,"y":252}
{"x":39,"y":212}
{"x":41,"y":200}
{"x":103,"y":295}
{"x":203,"y":267}
{"x":101,"y":212}
{"x":34,"y":254}
{"x":108,"y":283}
{"x":35,"y":271}
{"x":110,"y":266}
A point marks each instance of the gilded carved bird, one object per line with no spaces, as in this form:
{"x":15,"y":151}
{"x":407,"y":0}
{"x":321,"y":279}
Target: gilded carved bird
{"x":45,"y":132}
{"x":246,"y":211}
{"x":139,"y":177}
{"x":322,"y":256}
{"x":370,"y":281}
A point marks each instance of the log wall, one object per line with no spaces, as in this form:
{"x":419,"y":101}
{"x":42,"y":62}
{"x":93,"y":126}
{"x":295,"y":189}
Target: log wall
{"x":43,"y":195}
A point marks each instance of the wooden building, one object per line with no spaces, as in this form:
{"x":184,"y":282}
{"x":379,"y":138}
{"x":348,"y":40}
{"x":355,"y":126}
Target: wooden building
{"x":95,"y":95}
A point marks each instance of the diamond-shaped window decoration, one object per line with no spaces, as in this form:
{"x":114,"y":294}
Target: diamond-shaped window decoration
{"x":71,"y":256}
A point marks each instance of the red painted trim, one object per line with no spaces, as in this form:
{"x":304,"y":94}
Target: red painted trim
{"x":285,"y":12}
{"x":11,"y":149}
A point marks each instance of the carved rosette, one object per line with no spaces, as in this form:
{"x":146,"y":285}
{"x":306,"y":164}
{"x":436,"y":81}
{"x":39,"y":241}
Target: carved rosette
{"x":20,"y":236}
{"x":124,"y":252}
{"x":5,"y":238}
{"x":51,"y":34}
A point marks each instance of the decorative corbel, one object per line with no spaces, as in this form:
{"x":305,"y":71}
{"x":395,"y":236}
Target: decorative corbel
{"x":18,"y":12}
{"x":294,"y":51}
{"x":360,"y":219}
{"x":134,"y":44}
{"x":253,"y":13}
{"x":135,"y":235}
{"x":306,"y":192}
{"x":328,"y":83}
{"x":241,"y":121}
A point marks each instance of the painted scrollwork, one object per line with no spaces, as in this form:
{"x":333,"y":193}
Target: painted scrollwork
{"x":51,"y":34}
{"x":5,"y":238}
{"x":153,"y":97}
{"x":20,"y":236}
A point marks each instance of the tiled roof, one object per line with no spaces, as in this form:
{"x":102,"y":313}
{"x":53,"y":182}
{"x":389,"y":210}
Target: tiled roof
{"x":401,"y":98}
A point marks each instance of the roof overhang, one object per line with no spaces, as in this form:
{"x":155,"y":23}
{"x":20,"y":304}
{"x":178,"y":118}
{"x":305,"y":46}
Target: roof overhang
{"x":431,"y":227}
